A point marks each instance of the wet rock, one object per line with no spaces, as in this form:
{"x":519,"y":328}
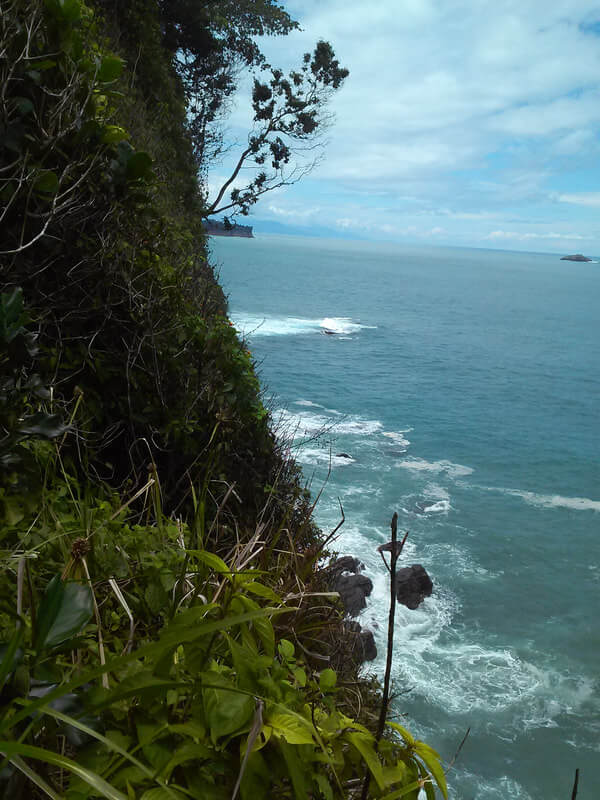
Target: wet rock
{"x":353,"y":591}
{"x":343,"y":455}
{"x":346,"y":564}
{"x":413,"y":585}
{"x":362,"y":643}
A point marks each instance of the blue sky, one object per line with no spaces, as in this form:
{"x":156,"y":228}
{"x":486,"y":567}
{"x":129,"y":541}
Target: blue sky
{"x":462,"y":123}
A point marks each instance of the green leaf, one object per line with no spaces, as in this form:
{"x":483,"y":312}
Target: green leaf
{"x":364,"y":744}
{"x":295,"y":770}
{"x":10,"y":655}
{"x":211,"y":560}
{"x":226,"y":711}
{"x":262,"y":591}
{"x":286,"y":649}
{"x":113,"y":134}
{"x":33,"y":776}
{"x":12,"y":316}
{"x":47,"y":426}
{"x":327,"y":680}
{"x":110,"y":69}
{"x":139,"y":166}
{"x":294,"y":729}
{"x":24,"y":105}
{"x":415,"y":786}
{"x":432,"y":761}
{"x":46,"y":182}
{"x":300,"y":675}
{"x":104,"y":789}
{"x":65,"y":610}
{"x":324,"y":787}
{"x":406,"y":735}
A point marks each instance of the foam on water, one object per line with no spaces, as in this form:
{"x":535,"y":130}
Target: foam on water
{"x":271,"y":325}
{"x":442,"y":466}
{"x":320,"y":456}
{"x":548,"y":500}
{"x":398,"y":437}
{"x":557,"y":501}
{"x":308,"y":423}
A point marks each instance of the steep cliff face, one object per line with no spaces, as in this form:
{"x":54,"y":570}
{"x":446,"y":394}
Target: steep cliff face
{"x":164,"y":631}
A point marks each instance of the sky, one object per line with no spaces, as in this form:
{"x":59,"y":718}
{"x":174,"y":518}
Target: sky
{"x":462,"y":123}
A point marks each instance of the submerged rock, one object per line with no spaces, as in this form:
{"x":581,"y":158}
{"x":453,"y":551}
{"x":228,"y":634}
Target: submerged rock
{"x":413,"y":585}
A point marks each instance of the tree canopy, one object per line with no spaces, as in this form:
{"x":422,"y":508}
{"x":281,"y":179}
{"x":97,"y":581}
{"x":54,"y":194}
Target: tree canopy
{"x":212,"y":43}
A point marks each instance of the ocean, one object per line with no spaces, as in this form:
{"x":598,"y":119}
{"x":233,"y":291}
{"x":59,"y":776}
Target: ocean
{"x":464,"y":385}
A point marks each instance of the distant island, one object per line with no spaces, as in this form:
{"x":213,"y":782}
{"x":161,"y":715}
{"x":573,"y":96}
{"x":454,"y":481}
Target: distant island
{"x":576,"y":257}
{"x":226,"y":228}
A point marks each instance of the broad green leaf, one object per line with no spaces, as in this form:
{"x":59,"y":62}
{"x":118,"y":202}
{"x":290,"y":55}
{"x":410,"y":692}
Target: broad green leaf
{"x":211,"y":560}
{"x":262,"y":591}
{"x":295,"y":770}
{"x":300,"y":675}
{"x":324,"y":787}
{"x":364,"y":745}
{"x":110,"y":69}
{"x":24,"y":105}
{"x":185,"y":753}
{"x":226,"y":711}
{"x":139,"y":165}
{"x":327,"y":680}
{"x":46,"y":182}
{"x":47,"y":426}
{"x":286,"y":648}
{"x":161,"y":793}
{"x":64,"y":611}
{"x":432,"y":761}
{"x":101,"y":787}
{"x":293,"y":729}
{"x":113,"y":134}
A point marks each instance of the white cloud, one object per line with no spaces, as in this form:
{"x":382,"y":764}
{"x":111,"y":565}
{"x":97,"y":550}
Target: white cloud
{"x":523,"y":237}
{"x":591,"y":199}
{"x":455,"y":113}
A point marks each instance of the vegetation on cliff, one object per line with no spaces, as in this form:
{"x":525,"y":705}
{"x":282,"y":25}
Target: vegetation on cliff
{"x":165,"y":633}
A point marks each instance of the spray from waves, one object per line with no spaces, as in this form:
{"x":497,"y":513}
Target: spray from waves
{"x":437,"y":467}
{"x":315,"y":456}
{"x":343,"y":325}
{"x":271,"y":325}
{"x":311,"y":424}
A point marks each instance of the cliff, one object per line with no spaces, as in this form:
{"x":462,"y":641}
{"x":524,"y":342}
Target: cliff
{"x":215,"y":228}
{"x":166,"y":631}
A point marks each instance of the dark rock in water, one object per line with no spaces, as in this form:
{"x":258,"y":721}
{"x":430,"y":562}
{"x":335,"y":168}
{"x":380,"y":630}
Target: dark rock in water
{"x":353,"y":591}
{"x":576,"y":257}
{"x":346,"y":564}
{"x":413,"y":585}
{"x":362,"y":641}
{"x":342,"y":455}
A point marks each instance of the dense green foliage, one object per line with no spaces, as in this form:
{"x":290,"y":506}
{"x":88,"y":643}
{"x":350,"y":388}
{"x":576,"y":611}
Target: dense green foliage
{"x":165,"y":633}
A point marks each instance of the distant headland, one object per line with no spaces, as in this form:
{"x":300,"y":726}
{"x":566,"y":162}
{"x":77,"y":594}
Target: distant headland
{"x":226,"y":228}
{"x":576,"y":257}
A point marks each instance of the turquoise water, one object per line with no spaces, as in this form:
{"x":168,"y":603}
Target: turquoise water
{"x":465,"y":386}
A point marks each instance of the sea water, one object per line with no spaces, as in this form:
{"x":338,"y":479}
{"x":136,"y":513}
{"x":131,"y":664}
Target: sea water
{"x":460,"y":388}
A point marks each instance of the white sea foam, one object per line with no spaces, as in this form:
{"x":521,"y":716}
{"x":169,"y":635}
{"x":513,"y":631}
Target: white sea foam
{"x":440,"y":507}
{"x":549,"y":500}
{"x":342,"y":325}
{"x":398,"y":437}
{"x":271,"y":325}
{"x":309,"y":423}
{"x":557,"y":501}
{"x":319,"y":456}
{"x":307,"y":403}
{"x":438,"y":467}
